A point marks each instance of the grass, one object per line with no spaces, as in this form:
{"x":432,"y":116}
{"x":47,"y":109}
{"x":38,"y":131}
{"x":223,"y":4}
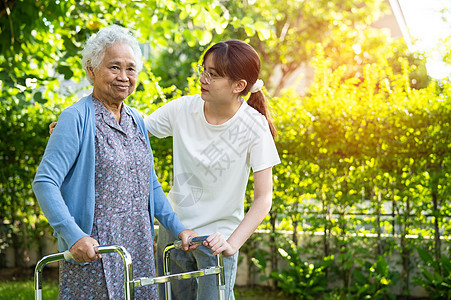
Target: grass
{"x":24,"y":290}
{"x":258,"y":293}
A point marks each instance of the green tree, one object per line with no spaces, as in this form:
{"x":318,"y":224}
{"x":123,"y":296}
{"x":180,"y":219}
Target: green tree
{"x":40,"y":45}
{"x":368,"y":142}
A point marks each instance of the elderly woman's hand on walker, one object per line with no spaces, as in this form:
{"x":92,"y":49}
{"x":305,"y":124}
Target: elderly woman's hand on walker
{"x":184,"y":237}
{"x":84,"y":250}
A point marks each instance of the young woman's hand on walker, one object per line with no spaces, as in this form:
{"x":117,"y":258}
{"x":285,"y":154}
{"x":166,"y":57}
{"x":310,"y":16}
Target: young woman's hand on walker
{"x":219,"y":244}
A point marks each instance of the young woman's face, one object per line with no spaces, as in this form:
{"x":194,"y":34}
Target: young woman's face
{"x":220,"y":89}
{"x":115,"y":78}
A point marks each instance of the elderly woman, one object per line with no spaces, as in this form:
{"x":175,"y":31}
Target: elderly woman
{"x":96,"y":183}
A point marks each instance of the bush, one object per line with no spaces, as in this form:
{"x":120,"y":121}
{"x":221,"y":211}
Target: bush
{"x":366,"y":166}
{"x":436,"y":275}
{"x":303,"y":279}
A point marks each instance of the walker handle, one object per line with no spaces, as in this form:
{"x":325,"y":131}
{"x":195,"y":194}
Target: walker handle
{"x":68,"y":255}
{"x":191,"y":241}
{"x":126,"y":259}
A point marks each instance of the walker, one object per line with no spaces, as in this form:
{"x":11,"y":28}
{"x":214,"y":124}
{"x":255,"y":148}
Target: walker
{"x":129,"y":282}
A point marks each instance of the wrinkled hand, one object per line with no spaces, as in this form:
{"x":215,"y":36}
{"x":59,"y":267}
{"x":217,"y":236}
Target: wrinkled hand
{"x":218,"y":243}
{"x":83,"y":250}
{"x":51,"y":127}
{"x":184,"y":235}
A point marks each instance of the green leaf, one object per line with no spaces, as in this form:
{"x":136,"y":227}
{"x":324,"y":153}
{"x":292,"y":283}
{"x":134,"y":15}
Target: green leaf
{"x":358,"y":276}
{"x":427,"y":274}
{"x":381,"y":266}
{"x":262,"y":30}
{"x":446,"y":264}
{"x":247,"y":21}
{"x":204,"y":37}
{"x":38,"y":98}
{"x":425,"y":256}
{"x":190,"y":39}
{"x":66,"y":71}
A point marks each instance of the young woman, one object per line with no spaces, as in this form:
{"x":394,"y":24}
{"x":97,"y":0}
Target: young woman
{"x":217,"y":138}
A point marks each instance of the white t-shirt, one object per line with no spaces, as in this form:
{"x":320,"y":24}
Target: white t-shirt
{"x":212,"y":162}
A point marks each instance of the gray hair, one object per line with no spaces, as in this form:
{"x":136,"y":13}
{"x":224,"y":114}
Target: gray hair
{"x":94,"y":50}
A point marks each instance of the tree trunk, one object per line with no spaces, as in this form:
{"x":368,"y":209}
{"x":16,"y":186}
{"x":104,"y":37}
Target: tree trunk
{"x":286,"y":72}
{"x":437,"y":242}
{"x":436,"y":213}
{"x":295,"y":223}
{"x":405,"y":251}
{"x":38,"y":237}
{"x":378,"y":224}
{"x":326,"y":236}
{"x":273,"y":247}
{"x":25,"y":257}
{"x":17,"y":262}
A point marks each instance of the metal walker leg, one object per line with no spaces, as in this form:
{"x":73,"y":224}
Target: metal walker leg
{"x":217,"y":270}
{"x":126,"y":258}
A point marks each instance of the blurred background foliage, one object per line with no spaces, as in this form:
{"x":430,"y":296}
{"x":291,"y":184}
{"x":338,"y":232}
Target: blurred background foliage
{"x":365,"y":172}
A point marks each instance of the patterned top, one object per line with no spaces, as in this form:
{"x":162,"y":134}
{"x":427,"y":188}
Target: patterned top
{"x":121,"y":215}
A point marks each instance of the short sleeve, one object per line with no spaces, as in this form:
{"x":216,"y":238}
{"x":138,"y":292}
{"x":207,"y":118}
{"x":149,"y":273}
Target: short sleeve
{"x":263,"y":152}
{"x":160,"y":123}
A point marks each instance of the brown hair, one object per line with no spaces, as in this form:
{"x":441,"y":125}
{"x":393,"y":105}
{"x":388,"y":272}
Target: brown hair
{"x":238,"y":60}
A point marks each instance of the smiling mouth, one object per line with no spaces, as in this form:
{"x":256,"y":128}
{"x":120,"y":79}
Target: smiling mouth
{"x":123,"y":88}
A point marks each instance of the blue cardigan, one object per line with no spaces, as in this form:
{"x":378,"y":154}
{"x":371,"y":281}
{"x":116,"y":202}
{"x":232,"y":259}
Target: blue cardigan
{"x":64,"y":182}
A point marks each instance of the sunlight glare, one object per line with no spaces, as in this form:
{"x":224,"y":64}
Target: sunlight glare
{"x":429,"y":22}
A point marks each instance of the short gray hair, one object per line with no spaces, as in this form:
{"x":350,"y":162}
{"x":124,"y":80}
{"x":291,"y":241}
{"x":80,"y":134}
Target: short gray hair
{"x":94,"y":50}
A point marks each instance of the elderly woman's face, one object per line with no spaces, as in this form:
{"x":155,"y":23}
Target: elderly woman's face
{"x":115,"y":78}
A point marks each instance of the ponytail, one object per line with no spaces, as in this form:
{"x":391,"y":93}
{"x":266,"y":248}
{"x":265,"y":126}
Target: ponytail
{"x":238,"y":60}
{"x":258,"y":101}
